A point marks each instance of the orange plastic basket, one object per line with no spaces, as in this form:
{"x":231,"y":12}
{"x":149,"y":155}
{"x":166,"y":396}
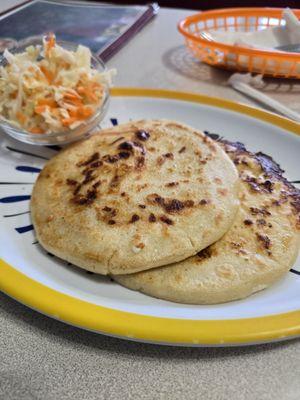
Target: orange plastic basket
{"x":270,"y":63}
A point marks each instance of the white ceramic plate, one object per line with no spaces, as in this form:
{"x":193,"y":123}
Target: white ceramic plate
{"x":65,"y":292}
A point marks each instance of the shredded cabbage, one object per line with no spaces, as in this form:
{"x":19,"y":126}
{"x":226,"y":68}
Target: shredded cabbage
{"x":49,"y":88}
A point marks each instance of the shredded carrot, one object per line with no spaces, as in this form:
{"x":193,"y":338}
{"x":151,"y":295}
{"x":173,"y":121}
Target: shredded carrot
{"x":68,"y":121}
{"x":72,"y":95}
{"x":81,"y":112}
{"x":50,"y":43}
{"x":36,"y":129}
{"x":48,"y":74}
{"x":64,"y":64}
{"x":73,"y":99}
{"x":55,"y":111}
{"x":40,"y":109}
{"x":80,"y":89}
{"x":74,"y":103}
{"x":47,"y":102}
{"x":96,"y":85}
{"x":92,"y":97}
{"x":21,"y":117}
{"x":73,"y":113}
{"x":84,"y":112}
{"x":89,"y":91}
{"x":59,"y":88}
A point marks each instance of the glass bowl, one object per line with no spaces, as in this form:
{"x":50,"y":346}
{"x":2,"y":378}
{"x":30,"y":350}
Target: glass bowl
{"x":69,"y":135}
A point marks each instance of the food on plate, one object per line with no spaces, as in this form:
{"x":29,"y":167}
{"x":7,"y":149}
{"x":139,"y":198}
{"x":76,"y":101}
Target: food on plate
{"x":49,"y":89}
{"x":259,"y":248}
{"x":134,"y":197}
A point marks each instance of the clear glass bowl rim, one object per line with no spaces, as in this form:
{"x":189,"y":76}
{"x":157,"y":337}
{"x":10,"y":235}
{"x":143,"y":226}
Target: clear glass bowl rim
{"x":37,"y":40}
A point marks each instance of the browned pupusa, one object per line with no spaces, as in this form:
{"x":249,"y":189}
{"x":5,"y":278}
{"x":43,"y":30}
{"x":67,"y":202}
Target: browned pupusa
{"x":258,"y":249}
{"x":134,"y":197}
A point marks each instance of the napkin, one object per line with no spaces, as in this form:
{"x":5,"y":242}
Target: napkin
{"x":243,"y":83}
{"x":270,"y":38}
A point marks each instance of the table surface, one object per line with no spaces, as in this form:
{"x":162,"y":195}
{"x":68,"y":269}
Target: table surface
{"x":45,"y":359}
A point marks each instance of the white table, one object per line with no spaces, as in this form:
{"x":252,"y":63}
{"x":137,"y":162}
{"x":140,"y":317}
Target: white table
{"x":158,"y":58}
{"x":44,"y":359}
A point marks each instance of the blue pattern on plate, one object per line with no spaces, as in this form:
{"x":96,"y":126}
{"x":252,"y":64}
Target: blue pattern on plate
{"x":15,"y":199}
{"x":26,"y":153}
{"x":26,"y":168}
{"x":16,"y":215}
{"x":114,"y":121}
{"x":24,"y":229}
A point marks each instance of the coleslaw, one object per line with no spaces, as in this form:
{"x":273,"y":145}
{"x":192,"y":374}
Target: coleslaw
{"x":49,"y":88}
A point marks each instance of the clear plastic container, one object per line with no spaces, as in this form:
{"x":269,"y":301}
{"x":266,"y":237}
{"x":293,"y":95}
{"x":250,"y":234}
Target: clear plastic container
{"x":70,"y":135}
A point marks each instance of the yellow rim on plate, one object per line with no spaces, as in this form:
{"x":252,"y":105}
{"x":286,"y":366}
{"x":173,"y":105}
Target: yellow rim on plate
{"x":147,"y":328}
